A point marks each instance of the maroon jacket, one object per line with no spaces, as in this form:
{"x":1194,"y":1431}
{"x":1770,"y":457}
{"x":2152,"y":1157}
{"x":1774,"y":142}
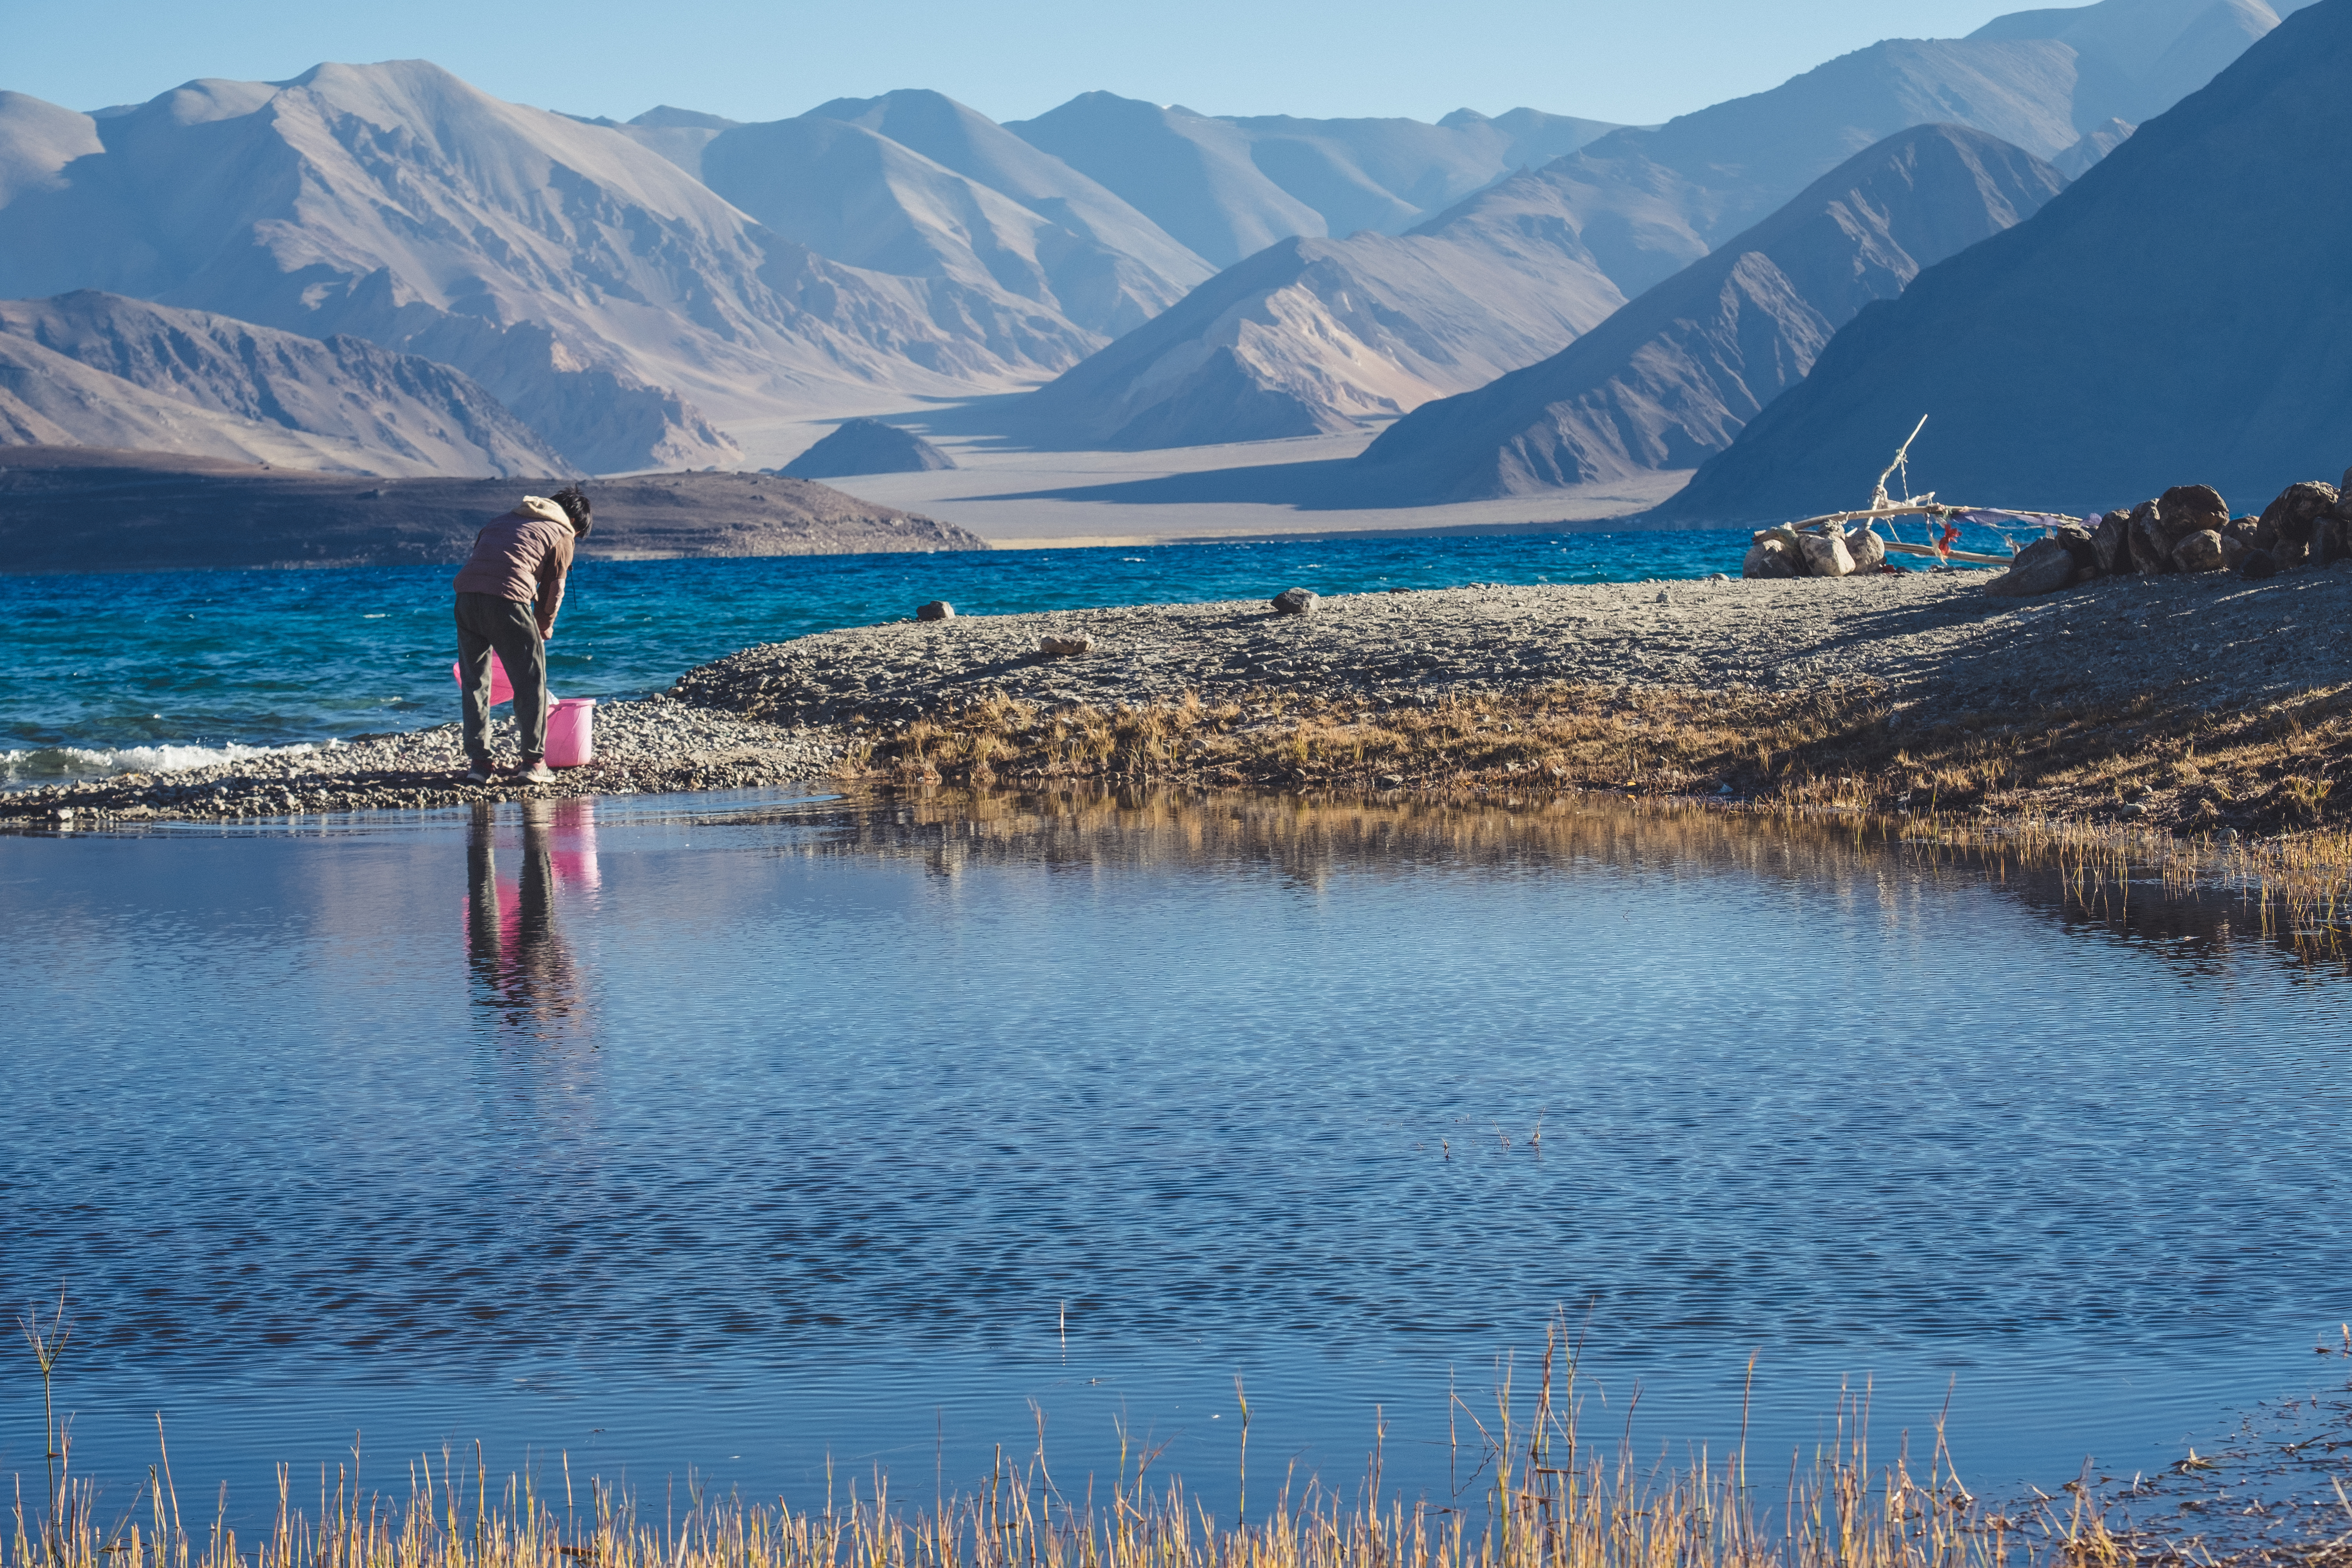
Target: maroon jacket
{"x":523,"y":555}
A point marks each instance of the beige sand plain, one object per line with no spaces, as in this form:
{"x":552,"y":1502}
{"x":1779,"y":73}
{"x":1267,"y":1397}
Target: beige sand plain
{"x":1017,"y":497}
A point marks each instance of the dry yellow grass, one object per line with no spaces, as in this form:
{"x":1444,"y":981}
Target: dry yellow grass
{"x":2267,"y":769}
{"x":1546,"y":1502}
{"x":2296,"y":888}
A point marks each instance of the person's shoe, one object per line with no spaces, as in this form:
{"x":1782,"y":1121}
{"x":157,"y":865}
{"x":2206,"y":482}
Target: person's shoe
{"x":479,"y":773}
{"x":535,"y":772}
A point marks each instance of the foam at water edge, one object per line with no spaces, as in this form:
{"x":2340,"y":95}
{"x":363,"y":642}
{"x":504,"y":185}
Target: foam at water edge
{"x":57,"y":764}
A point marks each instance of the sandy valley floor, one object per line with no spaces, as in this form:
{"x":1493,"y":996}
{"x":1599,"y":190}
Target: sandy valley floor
{"x":1016,"y":498}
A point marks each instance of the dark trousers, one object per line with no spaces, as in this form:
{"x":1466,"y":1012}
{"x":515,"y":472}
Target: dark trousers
{"x":510,"y":626}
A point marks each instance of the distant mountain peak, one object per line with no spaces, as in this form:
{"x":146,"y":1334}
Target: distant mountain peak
{"x":663,"y":116}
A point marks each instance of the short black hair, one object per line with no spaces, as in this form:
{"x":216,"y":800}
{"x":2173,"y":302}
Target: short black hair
{"x":574,"y":502}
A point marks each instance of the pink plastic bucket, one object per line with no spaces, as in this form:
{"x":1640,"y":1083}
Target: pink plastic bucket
{"x":572,"y":733}
{"x":501,"y":689}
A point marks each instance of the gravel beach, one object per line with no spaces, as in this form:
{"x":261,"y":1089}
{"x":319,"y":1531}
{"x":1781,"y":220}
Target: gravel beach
{"x":1922,"y":643}
{"x":2210,"y":638}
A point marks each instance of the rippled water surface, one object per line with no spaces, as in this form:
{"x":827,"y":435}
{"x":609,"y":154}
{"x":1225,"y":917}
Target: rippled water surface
{"x":748,"y":1135}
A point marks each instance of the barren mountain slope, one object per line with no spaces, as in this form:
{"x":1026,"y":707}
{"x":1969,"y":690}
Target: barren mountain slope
{"x":916,"y":184}
{"x":37,"y":141}
{"x":1650,"y":202}
{"x":2062,"y":369}
{"x":596,"y":287}
{"x":1310,"y":335}
{"x":264,"y":393}
{"x":48,"y":399}
{"x":1673,"y":375}
{"x":1306,"y":337}
{"x":1110,"y":267}
{"x":854,"y":196}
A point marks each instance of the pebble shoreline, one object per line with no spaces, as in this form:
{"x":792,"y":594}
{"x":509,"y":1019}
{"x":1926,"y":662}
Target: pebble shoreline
{"x":658,"y":745}
{"x":783,"y":712}
{"x":2211,"y":639}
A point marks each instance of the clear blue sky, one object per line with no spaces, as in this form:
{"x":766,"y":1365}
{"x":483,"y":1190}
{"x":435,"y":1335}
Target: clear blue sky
{"x":1633,"y":60}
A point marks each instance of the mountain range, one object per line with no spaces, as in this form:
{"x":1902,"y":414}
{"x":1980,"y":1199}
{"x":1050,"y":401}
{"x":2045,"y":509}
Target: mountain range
{"x":2064,"y":365}
{"x":654,"y":294}
{"x":95,"y":369}
{"x":612,"y":301}
{"x":1230,"y":186}
{"x":1674,"y":374}
{"x":1267,"y":349}
{"x":1310,"y":336}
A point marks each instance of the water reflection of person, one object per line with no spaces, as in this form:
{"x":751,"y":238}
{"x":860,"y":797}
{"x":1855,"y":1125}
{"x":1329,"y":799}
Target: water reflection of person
{"x":523,"y":969}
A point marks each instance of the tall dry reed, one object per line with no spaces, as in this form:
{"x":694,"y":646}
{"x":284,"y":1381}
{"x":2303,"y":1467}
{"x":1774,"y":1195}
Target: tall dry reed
{"x":1538,"y":1497}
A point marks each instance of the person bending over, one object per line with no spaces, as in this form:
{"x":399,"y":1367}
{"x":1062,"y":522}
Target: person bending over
{"x":507,"y":593}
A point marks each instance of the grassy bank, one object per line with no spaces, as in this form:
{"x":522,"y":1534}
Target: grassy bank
{"x":1534,"y":1497}
{"x":2266,"y":768}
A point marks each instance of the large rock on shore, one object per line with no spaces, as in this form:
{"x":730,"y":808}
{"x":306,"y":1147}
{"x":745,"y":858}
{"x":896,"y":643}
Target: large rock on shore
{"x":2189,"y":507}
{"x":2044,"y":566}
{"x":1770,"y":557}
{"x":2111,"y":542}
{"x":2157,"y":527}
{"x":1826,"y":555}
{"x":2200,"y":552}
{"x":2189,"y":529}
{"x":2297,"y":509}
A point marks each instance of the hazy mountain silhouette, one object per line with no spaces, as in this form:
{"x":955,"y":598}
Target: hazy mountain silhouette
{"x":98,"y":370}
{"x":2065,"y":363}
{"x":1188,"y":174}
{"x":2138,"y":58}
{"x":1674,"y":375}
{"x":1229,"y":186}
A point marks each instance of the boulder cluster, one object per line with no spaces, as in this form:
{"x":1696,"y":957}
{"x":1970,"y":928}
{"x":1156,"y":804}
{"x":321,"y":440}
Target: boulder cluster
{"x":2189,"y":529}
{"x":1828,"y":552}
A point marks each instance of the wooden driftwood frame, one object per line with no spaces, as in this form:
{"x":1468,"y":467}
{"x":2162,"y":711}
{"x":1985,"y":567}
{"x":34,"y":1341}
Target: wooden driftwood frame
{"x":1883,"y":506}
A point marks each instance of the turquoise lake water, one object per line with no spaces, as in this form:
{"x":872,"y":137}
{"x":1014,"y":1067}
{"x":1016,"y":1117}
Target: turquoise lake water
{"x":108,"y":673}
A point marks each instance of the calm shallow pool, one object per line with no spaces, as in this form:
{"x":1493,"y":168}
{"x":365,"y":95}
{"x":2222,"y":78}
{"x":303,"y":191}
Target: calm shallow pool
{"x":741,"y":1135}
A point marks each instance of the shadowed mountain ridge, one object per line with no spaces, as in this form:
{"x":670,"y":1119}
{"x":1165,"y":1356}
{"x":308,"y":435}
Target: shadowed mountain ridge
{"x":2060,"y":368}
{"x":1674,"y":375}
